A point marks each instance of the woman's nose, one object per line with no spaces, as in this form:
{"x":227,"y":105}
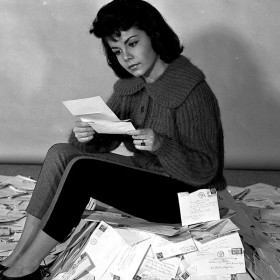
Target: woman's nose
{"x":127,"y":56}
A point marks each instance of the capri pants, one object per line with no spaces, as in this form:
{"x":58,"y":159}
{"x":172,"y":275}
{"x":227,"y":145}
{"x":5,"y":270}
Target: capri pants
{"x":69,"y":178}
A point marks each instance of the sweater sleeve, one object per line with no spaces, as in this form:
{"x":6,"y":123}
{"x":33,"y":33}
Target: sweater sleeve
{"x":101,"y":143}
{"x":197,"y":154}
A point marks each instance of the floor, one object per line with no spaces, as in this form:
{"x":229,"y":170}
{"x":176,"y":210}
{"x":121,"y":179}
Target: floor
{"x":240,"y":178}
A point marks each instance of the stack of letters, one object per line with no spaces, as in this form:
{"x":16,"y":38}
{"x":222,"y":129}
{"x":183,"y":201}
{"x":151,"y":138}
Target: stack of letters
{"x":230,"y":235}
{"x":261,"y":233}
{"x":117,"y":246}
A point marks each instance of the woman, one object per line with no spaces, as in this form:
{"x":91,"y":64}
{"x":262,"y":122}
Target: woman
{"x":177,"y":145}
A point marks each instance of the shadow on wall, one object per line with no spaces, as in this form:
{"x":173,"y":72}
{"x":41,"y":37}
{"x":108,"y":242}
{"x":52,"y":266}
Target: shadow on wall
{"x":250,"y":104}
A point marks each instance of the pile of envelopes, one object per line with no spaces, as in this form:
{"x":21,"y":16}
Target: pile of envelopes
{"x":259,"y":227}
{"x":230,"y":235}
{"x":15,"y":193}
{"x":117,"y":246}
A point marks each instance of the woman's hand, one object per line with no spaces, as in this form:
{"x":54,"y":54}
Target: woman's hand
{"x":83,"y":131}
{"x":145,"y":139}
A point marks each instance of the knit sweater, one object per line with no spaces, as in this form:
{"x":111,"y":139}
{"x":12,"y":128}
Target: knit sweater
{"x":181,"y":108}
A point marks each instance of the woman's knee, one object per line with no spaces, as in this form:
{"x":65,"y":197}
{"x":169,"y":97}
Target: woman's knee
{"x":59,"y":148}
{"x":62,"y":151}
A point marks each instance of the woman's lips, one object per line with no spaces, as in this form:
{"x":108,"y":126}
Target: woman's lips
{"x":133,"y":66}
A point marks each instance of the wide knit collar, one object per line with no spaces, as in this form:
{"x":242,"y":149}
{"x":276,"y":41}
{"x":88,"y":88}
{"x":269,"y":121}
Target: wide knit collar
{"x":171,"y":88}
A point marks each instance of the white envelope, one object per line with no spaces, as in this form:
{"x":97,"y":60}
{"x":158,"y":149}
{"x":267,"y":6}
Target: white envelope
{"x":152,"y":268}
{"x":172,"y":246}
{"x":129,"y":260}
{"x":80,"y":265}
{"x":222,"y":261}
{"x":199,"y":206}
{"x":227,"y":241}
{"x":102,"y":248}
{"x":212,"y":230}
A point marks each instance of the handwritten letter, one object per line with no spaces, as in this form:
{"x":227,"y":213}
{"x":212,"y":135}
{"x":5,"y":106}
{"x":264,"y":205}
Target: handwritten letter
{"x":199,"y":206}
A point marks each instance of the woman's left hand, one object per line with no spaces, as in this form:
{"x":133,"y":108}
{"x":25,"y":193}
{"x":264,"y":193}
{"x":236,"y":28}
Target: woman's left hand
{"x":145,"y":139}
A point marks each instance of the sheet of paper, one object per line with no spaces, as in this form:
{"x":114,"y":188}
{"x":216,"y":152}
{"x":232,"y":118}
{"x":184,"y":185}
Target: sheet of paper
{"x":270,"y":214}
{"x":4,"y":212}
{"x":263,"y":269}
{"x":228,"y":241}
{"x":94,"y":106}
{"x":237,"y":192}
{"x":4,"y":178}
{"x":11,"y":217}
{"x":172,"y":246}
{"x":129,"y":260}
{"x":182,"y":261}
{"x":16,"y":236}
{"x":261,"y":191}
{"x":80,"y":265}
{"x":21,"y":183}
{"x":132,"y":236}
{"x":212,"y":277}
{"x":213,"y":229}
{"x":222,"y":261}
{"x":152,"y":268}
{"x":259,"y":203}
{"x":4,"y":246}
{"x":108,"y":127}
{"x":163,"y":229}
{"x":99,"y":116}
{"x":190,"y":276}
{"x":5,"y":231}
{"x":8,"y":192}
{"x":199,"y":206}
{"x":103,"y":247}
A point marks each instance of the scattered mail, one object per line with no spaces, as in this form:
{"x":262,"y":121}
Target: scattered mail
{"x":126,"y":247}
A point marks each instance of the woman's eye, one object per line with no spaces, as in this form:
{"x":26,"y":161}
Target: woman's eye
{"x":133,"y":44}
{"x":117,"y":52}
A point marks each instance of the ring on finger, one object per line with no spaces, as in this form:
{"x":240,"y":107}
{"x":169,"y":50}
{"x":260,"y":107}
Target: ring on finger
{"x":143,"y":143}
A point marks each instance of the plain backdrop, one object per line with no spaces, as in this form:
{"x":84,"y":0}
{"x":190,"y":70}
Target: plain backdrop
{"x":47,"y":56}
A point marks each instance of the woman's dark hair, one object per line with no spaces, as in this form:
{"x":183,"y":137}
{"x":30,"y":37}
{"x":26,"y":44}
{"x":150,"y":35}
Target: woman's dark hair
{"x":121,"y":15}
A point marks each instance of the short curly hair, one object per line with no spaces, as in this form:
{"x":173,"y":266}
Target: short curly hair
{"x":121,"y":15}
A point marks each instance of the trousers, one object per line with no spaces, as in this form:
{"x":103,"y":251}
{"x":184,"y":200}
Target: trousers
{"x":69,"y":178}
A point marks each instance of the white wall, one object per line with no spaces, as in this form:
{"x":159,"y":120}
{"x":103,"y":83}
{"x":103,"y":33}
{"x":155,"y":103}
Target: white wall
{"x":47,"y":56}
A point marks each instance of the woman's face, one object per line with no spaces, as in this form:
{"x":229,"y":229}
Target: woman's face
{"x":135,"y":54}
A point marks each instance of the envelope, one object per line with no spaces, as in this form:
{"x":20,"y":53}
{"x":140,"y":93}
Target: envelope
{"x":222,"y":261}
{"x":102,"y":248}
{"x":199,"y":206}
{"x":166,"y":247}
{"x":129,"y":260}
{"x":152,"y":268}
{"x":231,"y":240}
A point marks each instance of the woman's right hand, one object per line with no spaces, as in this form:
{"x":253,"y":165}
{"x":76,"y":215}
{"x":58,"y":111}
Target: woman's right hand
{"x":83,"y":131}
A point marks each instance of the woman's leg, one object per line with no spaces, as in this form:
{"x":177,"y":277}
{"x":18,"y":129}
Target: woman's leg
{"x":56,"y":160}
{"x":53,"y":167}
{"x":133,"y":190}
{"x":32,"y":256}
{"x":31,"y":227}
{"x":141,"y":193}
{"x":34,"y":243}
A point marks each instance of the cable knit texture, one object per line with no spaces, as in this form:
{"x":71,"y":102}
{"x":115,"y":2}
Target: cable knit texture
{"x":182,"y":109}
